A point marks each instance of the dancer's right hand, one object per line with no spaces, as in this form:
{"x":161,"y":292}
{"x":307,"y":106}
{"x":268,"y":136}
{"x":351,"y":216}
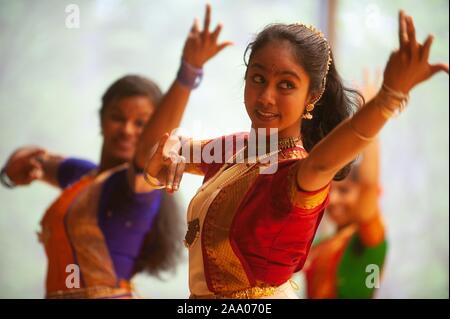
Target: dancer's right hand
{"x":202,"y":45}
{"x":409,"y":66}
{"x":166,"y":166}
{"x":24,"y":165}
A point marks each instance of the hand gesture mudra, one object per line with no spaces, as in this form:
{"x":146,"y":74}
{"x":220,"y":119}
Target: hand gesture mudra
{"x":202,"y":45}
{"x":24,"y":166}
{"x":409,"y":66}
{"x":165,"y":167}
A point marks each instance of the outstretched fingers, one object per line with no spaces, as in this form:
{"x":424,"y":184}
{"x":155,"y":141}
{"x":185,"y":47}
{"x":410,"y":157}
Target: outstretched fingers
{"x":216,"y":32}
{"x":435,"y":68}
{"x":206,"y":22}
{"x":223,"y":45}
{"x":195,"y":29}
{"x":402,"y":34}
{"x":425,"y":52}
{"x":413,"y":46}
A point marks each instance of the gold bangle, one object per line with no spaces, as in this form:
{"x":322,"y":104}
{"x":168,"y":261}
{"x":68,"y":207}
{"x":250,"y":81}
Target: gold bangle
{"x":152,"y":181}
{"x":359,"y":135}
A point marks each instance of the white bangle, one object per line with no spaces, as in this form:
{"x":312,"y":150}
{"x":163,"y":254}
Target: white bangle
{"x":391,"y":103}
{"x":397,"y":94}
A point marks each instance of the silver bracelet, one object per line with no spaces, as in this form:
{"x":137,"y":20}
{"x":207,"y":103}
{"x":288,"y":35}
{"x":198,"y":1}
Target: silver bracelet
{"x":5,"y":180}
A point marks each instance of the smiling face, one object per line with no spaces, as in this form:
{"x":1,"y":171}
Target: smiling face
{"x":122,"y":123}
{"x":276,"y":89}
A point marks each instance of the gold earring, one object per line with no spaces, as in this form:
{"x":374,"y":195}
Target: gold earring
{"x":308,"y":115}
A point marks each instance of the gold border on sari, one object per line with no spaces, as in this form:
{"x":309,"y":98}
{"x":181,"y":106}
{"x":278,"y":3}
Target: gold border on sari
{"x":225,"y":269}
{"x":96,"y":292}
{"x":88,"y":241}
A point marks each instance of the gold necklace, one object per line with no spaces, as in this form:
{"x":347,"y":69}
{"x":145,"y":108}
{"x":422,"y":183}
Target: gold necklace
{"x":288,"y":142}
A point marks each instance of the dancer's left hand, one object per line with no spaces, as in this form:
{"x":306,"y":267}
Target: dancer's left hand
{"x":202,"y":45}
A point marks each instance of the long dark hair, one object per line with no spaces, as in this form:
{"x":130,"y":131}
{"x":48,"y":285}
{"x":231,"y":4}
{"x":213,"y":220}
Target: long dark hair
{"x":312,"y":52}
{"x":162,"y":248}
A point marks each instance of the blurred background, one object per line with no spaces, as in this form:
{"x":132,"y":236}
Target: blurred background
{"x":52,"y":78}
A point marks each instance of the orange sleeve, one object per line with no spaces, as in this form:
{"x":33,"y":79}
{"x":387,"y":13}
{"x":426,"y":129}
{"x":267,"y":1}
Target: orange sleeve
{"x":371,"y":232}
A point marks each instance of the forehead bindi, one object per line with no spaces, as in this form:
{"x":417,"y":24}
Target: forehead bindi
{"x":277,"y":58}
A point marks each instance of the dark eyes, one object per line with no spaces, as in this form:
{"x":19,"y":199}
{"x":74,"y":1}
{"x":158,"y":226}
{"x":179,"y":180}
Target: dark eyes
{"x":119,"y":118}
{"x":140,"y":123}
{"x":284,"y":84}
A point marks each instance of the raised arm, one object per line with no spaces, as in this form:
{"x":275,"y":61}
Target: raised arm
{"x":406,"y":68}
{"x":200,"y":46}
{"x":368,"y":172}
